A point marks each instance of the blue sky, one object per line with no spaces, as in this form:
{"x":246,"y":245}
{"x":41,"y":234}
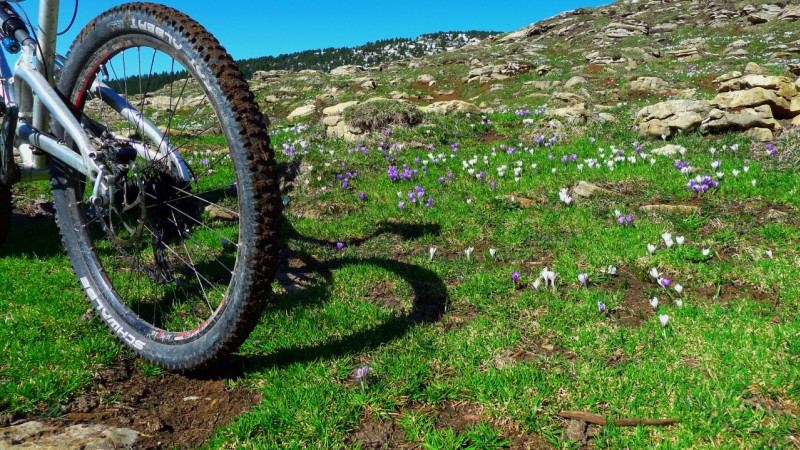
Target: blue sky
{"x":251,"y":28}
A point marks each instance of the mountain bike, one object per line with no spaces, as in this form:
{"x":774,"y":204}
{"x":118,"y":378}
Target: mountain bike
{"x":162,"y":177}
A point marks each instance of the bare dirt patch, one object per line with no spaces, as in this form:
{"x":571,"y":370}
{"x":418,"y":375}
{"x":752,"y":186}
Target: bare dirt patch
{"x":633,"y":309}
{"x":168,"y":411}
{"x":386,"y":433}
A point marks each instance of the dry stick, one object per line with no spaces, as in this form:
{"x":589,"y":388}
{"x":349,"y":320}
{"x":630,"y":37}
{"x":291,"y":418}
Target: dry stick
{"x":597,"y":419}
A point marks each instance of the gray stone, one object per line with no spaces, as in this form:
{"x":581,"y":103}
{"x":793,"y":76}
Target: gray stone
{"x":349,"y":70}
{"x":451,"y":106}
{"x":574,"y":81}
{"x":666,"y":118}
{"x":652,"y":85}
{"x":669,"y":150}
{"x":40,"y":436}
{"x":574,"y":114}
{"x":754,"y":69}
{"x":338,"y":109}
{"x":759,"y":134}
{"x":302,"y":111}
{"x":586,"y":189}
{"x":741,"y":119}
{"x":752,"y":98}
{"x":791,"y":13}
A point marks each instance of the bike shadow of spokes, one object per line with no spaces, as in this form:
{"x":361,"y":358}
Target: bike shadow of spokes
{"x":314,"y":280}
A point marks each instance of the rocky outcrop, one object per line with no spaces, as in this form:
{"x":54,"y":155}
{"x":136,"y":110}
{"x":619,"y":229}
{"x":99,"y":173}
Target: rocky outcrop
{"x":348,"y":71}
{"x":335,"y":125}
{"x":451,"y":106}
{"x":664,"y":119}
{"x":749,"y":102}
{"x":487,"y":73}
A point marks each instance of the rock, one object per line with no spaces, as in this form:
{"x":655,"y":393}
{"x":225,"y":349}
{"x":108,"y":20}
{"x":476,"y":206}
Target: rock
{"x":794,"y":68}
{"x":586,"y":189}
{"x":666,"y":118}
{"x":621,"y":30}
{"x":575,"y":81}
{"x":652,"y":85}
{"x":426,"y":78}
{"x":574,"y":114}
{"x":784,"y":86}
{"x":754,"y":69}
{"x":741,"y":119}
{"x":261,"y":75}
{"x":664,"y":28}
{"x":752,"y":98}
{"x":302,"y":111}
{"x":37,"y":435}
{"x":369,"y":84}
{"x":759,"y":134}
{"x":338,"y":109}
{"x":766,"y":14}
{"x":686,"y":54}
{"x":669,"y":150}
{"x":728,"y":76}
{"x":217,"y":212}
{"x":349,"y":70}
{"x":543,"y":85}
{"x":568,"y":98}
{"x":671,"y":209}
{"x":791,"y":13}
{"x":796,"y":121}
{"x":451,"y":106}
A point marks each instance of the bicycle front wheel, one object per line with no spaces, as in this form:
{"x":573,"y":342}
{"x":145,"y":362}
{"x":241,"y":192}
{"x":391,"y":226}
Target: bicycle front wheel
{"x":179,"y":259}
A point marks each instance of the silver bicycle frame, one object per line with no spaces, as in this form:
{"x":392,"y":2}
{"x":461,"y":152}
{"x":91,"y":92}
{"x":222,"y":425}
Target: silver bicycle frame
{"x":37,"y":100}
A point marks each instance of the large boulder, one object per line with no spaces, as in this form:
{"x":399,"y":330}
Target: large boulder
{"x":740,"y":120}
{"x":348,"y":71}
{"x":667,"y":118}
{"x":649,"y":85}
{"x":301,"y":112}
{"x":752,"y":98}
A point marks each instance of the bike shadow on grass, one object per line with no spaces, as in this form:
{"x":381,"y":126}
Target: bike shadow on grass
{"x":34,"y":235}
{"x":313,"y":285}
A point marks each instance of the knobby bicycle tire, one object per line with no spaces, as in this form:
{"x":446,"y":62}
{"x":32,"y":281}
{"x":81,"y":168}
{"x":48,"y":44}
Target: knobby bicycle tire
{"x":5,"y":212}
{"x":179,"y":269}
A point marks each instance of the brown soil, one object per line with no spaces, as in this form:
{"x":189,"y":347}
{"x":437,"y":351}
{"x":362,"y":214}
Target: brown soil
{"x":633,"y":309}
{"x":169,"y":410}
{"x":386,"y":433}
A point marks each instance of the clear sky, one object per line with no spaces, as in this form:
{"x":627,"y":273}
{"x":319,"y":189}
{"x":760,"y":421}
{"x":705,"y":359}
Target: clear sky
{"x":251,"y":28}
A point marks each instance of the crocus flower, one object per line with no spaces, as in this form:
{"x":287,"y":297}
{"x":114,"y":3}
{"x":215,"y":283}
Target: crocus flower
{"x":651,"y":248}
{"x":654,"y":302}
{"x":362,"y":373}
{"x":515,"y":276}
{"x":583,"y":278}
{"x":664,"y":282}
{"x":768,"y":253}
{"x":431,"y":252}
{"x":680,"y":240}
{"x":536,"y":283}
{"x":706,"y":251}
{"x":667,"y":240}
{"x":339,"y":245}
{"x":678,"y":288}
{"x":468,"y":251}
{"x":601,"y":307}
{"x":679,"y":303}
{"x":664,"y":318}
{"x":493,"y":252}
{"x":362,"y":196}
{"x":655,"y":273}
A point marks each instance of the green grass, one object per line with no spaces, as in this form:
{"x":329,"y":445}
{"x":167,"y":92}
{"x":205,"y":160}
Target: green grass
{"x":455,"y":330}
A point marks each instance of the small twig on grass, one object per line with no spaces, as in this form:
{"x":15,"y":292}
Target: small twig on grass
{"x":597,"y":419}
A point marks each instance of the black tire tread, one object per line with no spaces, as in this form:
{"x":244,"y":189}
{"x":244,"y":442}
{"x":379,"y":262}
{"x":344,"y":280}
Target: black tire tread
{"x":252,"y":131}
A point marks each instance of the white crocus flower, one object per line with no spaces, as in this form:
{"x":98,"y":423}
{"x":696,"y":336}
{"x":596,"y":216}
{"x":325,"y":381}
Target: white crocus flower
{"x":655,"y":273}
{"x":431,"y":252}
{"x":469,"y":251}
{"x":651,"y":248}
{"x":678,"y":288}
{"x":663,"y":318}
{"x":667,"y":239}
{"x":706,"y":251}
{"x":680,"y":240}
{"x":654,"y":302}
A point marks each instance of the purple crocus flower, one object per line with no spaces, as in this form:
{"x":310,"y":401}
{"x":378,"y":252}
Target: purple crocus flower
{"x":514,"y":276}
{"x":601,"y":307}
{"x":362,"y":196}
{"x":340,"y":245}
{"x":666,"y":282}
{"x":584,"y":279}
{"x":362,"y":373}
